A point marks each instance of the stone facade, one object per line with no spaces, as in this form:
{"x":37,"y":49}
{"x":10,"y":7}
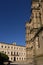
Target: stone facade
{"x":14,"y":52}
{"x":34,"y":31}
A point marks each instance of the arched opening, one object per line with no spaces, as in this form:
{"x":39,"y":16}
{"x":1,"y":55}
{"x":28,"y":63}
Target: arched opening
{"x":14,"y":58}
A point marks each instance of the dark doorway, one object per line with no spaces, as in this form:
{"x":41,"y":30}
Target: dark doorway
{"x":14,"y":58}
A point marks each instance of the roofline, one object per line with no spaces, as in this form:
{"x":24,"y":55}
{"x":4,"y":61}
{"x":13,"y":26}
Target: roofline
{"x":11,"y":44}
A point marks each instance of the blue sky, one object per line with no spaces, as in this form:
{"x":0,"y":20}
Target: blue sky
{"x":13,"y":15}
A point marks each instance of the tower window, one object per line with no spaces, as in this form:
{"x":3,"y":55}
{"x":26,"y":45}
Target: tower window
{"x":37,"y":42}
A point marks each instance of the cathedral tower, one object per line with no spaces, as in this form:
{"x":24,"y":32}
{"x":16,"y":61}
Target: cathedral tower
{"x":32,"y":27}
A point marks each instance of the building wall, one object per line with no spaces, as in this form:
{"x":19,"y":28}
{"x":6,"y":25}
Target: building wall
{"x":14,"y":52}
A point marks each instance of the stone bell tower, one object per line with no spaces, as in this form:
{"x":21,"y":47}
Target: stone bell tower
{"x":32,"y":26}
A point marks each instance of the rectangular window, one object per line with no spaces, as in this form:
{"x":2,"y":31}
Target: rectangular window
{"x":5,"y":46}
{"x":8,"y":47}
{"x":11,"y":53}
{"x":14,"y":53}
{"x":2,"y":46}
{"x":8,"y":52}
{"x":38,"y":43}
